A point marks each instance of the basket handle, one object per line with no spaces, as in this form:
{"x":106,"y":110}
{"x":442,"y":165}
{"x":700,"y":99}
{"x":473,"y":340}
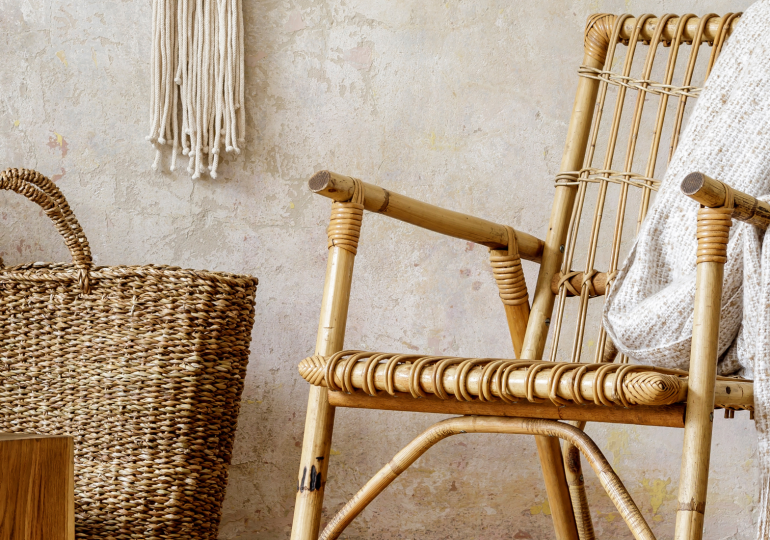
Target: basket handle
{"x":40,"y":190}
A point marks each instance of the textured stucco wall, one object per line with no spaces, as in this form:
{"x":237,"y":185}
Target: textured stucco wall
{"x":464,"y":104}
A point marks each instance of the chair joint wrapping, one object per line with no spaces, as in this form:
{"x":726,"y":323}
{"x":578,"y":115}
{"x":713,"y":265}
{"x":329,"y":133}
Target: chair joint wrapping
{"x":714,"y":230}
{"x":508,"y":273}
{"x":345,"y":224}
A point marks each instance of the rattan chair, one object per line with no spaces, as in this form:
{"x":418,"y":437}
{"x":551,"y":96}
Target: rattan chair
{"x":552,"y":394}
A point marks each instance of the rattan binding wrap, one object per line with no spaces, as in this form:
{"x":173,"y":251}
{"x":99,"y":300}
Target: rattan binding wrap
{"x":508,"y":273}
{"x":344,"y":227}
{"x":142,"y":365}
{"x":713,"y":232}
{"x":488,"y":379}
{"x":509,"y":381}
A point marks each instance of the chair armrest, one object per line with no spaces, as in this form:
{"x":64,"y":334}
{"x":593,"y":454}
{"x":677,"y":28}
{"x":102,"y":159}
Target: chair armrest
{"x":376,"y":199}
{"x":714,"y":194}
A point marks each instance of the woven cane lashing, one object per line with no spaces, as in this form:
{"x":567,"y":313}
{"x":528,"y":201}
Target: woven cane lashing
{"x":647,"y":73}
{"x":145,"y":371}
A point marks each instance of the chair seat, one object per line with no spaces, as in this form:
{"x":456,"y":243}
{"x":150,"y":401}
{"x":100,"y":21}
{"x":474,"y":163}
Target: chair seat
{"x":367,"y":373}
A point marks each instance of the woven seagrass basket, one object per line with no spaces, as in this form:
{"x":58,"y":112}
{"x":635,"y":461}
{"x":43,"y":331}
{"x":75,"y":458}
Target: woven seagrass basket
{"x":142,"y":365}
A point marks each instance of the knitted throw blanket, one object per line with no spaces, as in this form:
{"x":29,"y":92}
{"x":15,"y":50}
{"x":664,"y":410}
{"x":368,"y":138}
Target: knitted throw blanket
{"x":649,"y":311}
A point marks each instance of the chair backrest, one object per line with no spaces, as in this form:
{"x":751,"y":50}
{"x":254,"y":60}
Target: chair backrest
{"x":639,"y":77}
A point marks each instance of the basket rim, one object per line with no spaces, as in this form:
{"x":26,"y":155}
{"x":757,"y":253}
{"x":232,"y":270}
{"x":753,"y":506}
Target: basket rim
{"x":45,"y":271}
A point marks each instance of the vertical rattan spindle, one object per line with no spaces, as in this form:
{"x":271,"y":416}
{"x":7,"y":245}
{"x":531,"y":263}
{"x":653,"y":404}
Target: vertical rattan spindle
{"x":343,"y":232}
{"x":713,"y":230}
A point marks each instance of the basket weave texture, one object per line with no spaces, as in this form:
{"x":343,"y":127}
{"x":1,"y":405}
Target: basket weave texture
{"x":142,"y":365}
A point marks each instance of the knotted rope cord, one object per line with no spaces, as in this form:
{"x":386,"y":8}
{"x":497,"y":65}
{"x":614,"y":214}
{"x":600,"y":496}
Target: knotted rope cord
{"x":508,"y":273}
{"x":593,"y":175}
{"x":197,"y":77}
{"x":714,"y":230}
{"x":645,"y":85}
{"x":633,"y":384}
{"x":345,"y":223}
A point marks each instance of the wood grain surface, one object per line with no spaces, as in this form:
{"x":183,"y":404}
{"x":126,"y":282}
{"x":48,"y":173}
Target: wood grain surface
{"x":36,"y":487}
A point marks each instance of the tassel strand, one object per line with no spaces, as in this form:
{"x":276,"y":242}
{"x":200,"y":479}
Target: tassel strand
{"x":197,"y":92}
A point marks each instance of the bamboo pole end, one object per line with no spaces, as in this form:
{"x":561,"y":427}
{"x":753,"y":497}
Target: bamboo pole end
{"x":336,"y":187}
{"x":693,"y":183}
{"x":319,"y":181}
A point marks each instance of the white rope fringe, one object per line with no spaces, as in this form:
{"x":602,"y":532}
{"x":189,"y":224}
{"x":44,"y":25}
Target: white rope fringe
{"x":197,"y":80}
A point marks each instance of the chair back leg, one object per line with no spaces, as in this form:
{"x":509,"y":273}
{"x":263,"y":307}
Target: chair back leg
{"x":552,"y":465}
{"x":549,"y":450}
{"x":344,"y":229}
{"x":573,"y":471}
{"x":713,"y":229}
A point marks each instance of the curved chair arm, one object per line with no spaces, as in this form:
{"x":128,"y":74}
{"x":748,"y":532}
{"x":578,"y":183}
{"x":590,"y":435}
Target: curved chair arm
{"x":376,"y":199}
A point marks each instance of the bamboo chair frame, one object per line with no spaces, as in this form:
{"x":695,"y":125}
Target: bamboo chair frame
{"x":535,"y":395}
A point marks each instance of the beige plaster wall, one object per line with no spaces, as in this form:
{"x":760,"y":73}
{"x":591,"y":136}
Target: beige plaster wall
{"x":464,"y":104}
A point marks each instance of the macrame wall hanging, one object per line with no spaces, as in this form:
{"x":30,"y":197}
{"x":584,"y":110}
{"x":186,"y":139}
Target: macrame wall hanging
{"x":197,"y":81}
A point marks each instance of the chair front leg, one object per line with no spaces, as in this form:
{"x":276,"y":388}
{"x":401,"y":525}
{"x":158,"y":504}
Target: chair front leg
{"x":506,"y":267}
{"x":713,"y":230}
{"x":344,"y":229}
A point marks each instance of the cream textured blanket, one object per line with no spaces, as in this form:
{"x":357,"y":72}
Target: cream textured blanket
{"x":649,"y":312}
